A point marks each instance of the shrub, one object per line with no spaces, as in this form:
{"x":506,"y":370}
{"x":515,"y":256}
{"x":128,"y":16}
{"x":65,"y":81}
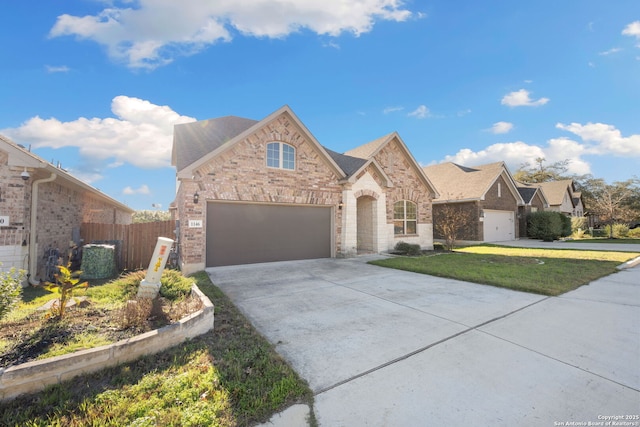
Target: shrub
{"x":174,"y":286}
{"x":566,"y":225}
{"x":619,"y":230}
{"x":578,"y":223}
{"x":408,"y":249}
{"x":10,"y":289}
{"x":546,"y":225}
{"x":634,"y":233}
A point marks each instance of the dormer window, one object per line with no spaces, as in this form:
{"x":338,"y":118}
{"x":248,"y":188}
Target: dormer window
{"x":281,"y":156}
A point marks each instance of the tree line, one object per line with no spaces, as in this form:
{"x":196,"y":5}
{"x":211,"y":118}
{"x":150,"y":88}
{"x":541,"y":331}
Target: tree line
{"x":609,"y":203}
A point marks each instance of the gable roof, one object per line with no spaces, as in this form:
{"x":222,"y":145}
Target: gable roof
{"x":369,"y":150}
{"x":20,"y":157}
{"x":556,"y":190}
{"x":349,"y":165}
{"x":461,"y":183}
{"x":197,"y":139}
{"x":527,"y":193}
{"x":224,"y":133}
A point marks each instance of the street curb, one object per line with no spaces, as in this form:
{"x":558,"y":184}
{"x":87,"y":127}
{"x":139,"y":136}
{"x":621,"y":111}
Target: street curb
{"x":629,"y":264}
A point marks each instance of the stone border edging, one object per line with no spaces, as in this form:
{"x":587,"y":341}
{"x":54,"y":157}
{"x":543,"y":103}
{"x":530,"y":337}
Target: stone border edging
{"x":34,"y":376}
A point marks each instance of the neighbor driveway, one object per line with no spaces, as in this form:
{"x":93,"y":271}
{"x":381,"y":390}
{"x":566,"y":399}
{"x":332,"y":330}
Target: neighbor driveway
{"x":382,"y":347}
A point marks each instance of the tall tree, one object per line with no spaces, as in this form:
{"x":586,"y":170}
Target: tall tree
{"x":539,"y":172}
{"x":611,"y":203}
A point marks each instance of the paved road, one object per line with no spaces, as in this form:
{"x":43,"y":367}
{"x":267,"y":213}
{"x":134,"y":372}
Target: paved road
{"x":382,"y":347}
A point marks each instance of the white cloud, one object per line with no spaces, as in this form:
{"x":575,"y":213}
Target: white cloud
{"x":392,"y":110}
{"x":610,"y":51}
{"x":598,"y":139}
{"x":515,"y":154}
{"x":140,"y":127}
{"x":501,"y":127}
{"x":156,"y":31}
{"x":521,"y":98}
{"x":604,"y":139}
{"x":143,"y":189}
{"x":633,"y":30}
{"x":422,"y":112}
{"x":57,"y":69}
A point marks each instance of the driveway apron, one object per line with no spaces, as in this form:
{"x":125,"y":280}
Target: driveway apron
{"x":382,"y":347}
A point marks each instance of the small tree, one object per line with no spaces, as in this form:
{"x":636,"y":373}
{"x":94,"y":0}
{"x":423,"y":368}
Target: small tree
{"x":451,"y":222}
{"x":10,"y":289}
{"x":66,"y":283}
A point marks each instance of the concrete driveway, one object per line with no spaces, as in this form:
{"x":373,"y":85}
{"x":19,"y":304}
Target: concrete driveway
{"x":382,"y":347}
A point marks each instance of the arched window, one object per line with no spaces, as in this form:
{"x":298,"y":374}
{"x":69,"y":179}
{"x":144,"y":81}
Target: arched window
{"x":281,"y":156}
{"x":405,"y":217}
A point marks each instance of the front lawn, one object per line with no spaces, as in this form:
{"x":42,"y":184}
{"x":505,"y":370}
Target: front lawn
{"x":229,"y":377}
{"x":540,"y":271}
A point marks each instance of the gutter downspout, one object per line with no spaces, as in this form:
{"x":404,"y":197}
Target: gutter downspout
{"x":33,"y":263}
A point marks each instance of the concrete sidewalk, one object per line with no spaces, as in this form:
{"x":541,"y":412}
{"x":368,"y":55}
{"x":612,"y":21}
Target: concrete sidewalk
{"x":382,"y":347}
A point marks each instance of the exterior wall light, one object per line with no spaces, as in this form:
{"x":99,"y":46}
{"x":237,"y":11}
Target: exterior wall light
{"x":196,"y":198}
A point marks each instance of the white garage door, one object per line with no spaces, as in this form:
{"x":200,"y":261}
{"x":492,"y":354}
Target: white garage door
{"x":246,"y":233}
{"x":499,"y":226}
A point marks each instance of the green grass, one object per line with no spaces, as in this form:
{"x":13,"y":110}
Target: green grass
{"x":540,"y":271}
{"x":229,"y":377}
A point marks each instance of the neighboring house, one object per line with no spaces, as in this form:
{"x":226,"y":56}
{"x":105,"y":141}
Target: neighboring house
{"x":42,"y":206}
{"x":488,"y":192}
{"x":578,"y":206}
{"x":258,"y":191}
{"x":560,"y":195}
{"x":534,"y":201}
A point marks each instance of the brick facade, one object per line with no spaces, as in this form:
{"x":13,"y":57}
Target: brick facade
{"x":240,"y":174}
{"x":407,"y":184}
{"x":62,"y":205}
{"x":362,"y":196}
{"x":498,"y":197}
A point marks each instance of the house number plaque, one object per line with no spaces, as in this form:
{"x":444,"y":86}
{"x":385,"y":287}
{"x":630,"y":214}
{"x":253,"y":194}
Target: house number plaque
{"x":195,"y":223}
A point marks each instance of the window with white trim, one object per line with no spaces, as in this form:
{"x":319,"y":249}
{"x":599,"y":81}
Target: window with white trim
{"x":281,"y":156}
{"x":405,"y":217}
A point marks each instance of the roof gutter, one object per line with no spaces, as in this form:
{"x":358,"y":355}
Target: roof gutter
{"x":33,"y":263}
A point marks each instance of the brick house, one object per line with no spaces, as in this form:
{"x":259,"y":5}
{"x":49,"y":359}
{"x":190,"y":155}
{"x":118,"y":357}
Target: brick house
{"x":257,"y":191}
{"x":42,"y":206}
{"x":488,"y":192}
{"x":534,"y":201}
{"x":560,"y":195}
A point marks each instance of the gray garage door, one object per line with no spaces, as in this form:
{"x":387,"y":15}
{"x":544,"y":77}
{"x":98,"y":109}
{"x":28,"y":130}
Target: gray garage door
{"x":244,"y":233}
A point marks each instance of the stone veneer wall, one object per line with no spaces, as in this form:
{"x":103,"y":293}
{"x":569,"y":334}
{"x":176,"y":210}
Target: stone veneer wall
{"x":407,"y":185}
{"x":35,"y":376}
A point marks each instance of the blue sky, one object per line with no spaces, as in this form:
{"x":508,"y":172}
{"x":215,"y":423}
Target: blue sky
{"x":97,"y":85}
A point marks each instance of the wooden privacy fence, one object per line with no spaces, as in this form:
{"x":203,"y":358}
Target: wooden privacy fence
{"x":136,"y":241}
